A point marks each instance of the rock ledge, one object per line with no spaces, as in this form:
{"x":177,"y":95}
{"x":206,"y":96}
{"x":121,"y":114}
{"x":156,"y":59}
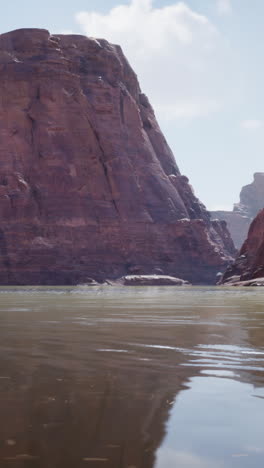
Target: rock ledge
{"x":152,"y":280}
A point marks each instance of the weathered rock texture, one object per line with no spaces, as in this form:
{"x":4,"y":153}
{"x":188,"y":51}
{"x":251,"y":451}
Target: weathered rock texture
{"x":251,"y":202}
{"x":250,"y":262}
{"x":88,"y":184}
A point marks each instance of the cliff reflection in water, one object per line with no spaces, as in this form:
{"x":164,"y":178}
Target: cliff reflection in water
{"x":90,"y":377}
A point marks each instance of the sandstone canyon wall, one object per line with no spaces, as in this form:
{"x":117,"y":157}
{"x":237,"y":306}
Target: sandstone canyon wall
{"x":88,"y":184}
{"x":250,"y":262}
{"x":251,"y":202}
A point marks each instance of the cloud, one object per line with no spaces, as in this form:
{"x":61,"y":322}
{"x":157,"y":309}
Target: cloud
{"x":252,"y":124}
{"x":177,"y":53}
{"x":224,"y":7}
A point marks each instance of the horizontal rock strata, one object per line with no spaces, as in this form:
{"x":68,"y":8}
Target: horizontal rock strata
{"x":88,"y":185}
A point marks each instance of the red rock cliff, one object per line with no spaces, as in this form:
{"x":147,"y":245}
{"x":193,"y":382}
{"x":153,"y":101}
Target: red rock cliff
{"x":88,"y":184}
{"x":250,"y":262}
{"x":251,"y":202}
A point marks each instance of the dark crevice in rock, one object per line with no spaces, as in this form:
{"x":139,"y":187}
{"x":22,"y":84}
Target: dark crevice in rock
{"x":4,"y":251}
{"x":32,"y":129}
{"x":122,"y":108}
{"x":147,"y":124}
{"x":104,"y":166}
{"x":38,"y":93}
{"x":37,"y":199}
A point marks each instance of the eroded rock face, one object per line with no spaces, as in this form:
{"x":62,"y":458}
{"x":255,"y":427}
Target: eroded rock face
{"x":252,"y":197}
{"x":88,"y":184}
{"x":251,"y":202}
{"x":250,"y":262}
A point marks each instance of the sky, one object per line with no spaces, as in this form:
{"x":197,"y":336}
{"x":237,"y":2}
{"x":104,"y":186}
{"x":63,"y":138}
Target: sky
{"x":201,"y":64}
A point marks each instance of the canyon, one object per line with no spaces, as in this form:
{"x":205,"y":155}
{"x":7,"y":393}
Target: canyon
{"x":89,"y":187}
{"x":251,"y":202}
{"x":249,"y":265}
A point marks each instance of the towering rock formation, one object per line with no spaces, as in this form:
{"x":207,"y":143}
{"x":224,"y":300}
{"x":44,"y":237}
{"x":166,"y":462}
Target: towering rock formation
{"x":88,"y":184}
{"x":252,"y":197}
{"x":251,"y":202}
{"x":250,"y":262}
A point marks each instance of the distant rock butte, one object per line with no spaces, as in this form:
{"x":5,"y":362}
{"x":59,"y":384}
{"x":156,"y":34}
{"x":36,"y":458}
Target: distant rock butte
{"x":88,"y":185}
{"x":250,"y":261}
{"x":251,"y":202}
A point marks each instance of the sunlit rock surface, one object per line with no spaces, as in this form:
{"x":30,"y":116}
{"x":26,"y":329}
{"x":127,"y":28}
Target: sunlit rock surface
{"x":88,"y":185}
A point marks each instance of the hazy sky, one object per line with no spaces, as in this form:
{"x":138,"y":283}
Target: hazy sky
{"x":201,"y":64}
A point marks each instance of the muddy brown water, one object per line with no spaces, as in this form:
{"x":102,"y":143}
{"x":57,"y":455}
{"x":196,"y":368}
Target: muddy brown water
{"x":109,"y":377}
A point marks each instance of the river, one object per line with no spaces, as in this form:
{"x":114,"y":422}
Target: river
{"x":126,"y":377}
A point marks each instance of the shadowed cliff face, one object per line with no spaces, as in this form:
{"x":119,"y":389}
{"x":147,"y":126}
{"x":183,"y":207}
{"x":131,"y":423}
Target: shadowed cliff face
{"x":251,"y":202}
{"x":250,"y":262}
{"x":88,"y":184}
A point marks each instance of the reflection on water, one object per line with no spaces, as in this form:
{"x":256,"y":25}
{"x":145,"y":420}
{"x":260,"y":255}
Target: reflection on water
{"x":131,"y":377}
{"x":216,"y":423}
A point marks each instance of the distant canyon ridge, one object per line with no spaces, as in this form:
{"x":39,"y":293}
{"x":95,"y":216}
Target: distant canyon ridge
{"x":249,"y":264}
{"x":251,"y":202}
{"x":248,"y":268}
{"x":89,"y":187}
